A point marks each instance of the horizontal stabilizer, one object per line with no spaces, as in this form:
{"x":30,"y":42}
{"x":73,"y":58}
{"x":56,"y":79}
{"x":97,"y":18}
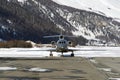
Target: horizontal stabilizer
{"x":57,"y":36}
{"x":51,"y":36}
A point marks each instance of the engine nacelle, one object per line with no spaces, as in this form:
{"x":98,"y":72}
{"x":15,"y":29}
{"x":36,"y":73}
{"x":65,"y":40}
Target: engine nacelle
{"x":69,"y":43}
{"x":53,"y":42}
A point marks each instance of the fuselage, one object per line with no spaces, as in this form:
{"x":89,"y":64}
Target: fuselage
{"x":62,"y":45}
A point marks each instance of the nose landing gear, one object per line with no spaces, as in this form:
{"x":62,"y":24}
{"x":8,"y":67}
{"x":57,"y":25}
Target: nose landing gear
{"x":72,"y":54}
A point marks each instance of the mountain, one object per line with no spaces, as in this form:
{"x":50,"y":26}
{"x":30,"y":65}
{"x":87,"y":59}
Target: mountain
{"x":109,"y":8}
{"x":32,"y":19}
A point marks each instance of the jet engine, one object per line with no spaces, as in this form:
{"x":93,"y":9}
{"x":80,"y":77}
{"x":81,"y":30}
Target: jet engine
{"x":69,"y":43}
{"x":53,"y":43}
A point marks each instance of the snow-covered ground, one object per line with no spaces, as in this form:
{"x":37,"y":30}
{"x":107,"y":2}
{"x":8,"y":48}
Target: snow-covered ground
{"x":8,"y":68}
{"x":109,"y":8}
{"x":22,"y":1}
{"x":114,"y":78}
{"x":39,"y":52}
{"x":35,"y":69}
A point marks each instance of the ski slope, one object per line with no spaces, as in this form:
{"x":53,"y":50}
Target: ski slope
{"x":39,"y":52}
{"x":109,"y":8}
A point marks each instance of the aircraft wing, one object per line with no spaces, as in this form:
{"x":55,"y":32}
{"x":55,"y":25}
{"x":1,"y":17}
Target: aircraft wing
{"x":26,"y":50}
{"x":52,"y":49}
{"x":86,"y":49}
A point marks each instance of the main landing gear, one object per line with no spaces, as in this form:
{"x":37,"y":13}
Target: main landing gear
{"x":51,"y":54}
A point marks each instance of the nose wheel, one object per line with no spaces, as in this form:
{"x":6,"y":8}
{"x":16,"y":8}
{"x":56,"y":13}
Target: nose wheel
{"x":72,"y":54}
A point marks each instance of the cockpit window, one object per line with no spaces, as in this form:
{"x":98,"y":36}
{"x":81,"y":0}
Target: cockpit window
{"x":62,"y":42}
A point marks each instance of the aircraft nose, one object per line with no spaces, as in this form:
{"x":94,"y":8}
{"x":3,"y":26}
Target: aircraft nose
{"x":62,"y":47}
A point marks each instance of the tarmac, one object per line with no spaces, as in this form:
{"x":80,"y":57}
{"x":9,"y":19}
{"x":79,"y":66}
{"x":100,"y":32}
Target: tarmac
{"x":61,"y":68}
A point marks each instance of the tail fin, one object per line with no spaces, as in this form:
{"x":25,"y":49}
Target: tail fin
{"x":61,"y":33}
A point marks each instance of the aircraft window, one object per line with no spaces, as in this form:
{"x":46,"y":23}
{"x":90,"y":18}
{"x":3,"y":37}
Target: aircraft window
{"x":60,"y":42}
{"x":63,"y":42}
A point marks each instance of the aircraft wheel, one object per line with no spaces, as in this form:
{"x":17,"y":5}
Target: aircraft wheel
{"x":72,"y":54}
{"x":51,"y":54}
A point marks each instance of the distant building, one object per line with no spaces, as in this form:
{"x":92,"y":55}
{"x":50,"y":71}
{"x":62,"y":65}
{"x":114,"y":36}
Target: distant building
{"x":96,"y":42}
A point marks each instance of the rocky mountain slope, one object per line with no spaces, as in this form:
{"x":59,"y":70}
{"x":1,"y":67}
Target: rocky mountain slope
{"x":32,"y":19}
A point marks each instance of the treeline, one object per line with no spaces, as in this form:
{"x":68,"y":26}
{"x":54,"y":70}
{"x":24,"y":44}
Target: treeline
{"x":28,"y":21}
{"x":15,"y":44}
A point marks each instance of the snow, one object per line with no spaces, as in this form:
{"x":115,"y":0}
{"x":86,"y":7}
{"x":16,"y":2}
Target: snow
{"x":86,"y":51}
{"x":8,"y":0}
{"x":22,"y":1}
{"x":3,"y":27}
{"x":38,"y":70}
{"x":59,"y":26}
{"x":1,"y":39}
{"x":117,"y":19}
{"x":23,"y":52}
{"x":82,"y":31}
{"x":106,"y":69}
{"x":109,"y":8}
{"x":9,"y":21}
{"x":31,"y":42}
{"x":35,"y":2}
{"x":7,"y":68}
{"x":114,"y":78}
{"x":93,"y":61}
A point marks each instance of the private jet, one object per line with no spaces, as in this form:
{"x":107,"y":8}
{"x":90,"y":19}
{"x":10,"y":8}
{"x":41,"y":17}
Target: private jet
{"x":61,"y":45}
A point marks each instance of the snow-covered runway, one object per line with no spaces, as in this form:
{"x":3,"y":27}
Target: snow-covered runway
{"x":37,"y":52}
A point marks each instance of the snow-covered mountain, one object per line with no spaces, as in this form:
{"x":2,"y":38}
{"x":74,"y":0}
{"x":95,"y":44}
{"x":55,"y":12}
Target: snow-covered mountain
{"x":106,"y":8}
{"x":103,"y":25}
{"x":31,"y":19}
{"x":109,"y":8}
